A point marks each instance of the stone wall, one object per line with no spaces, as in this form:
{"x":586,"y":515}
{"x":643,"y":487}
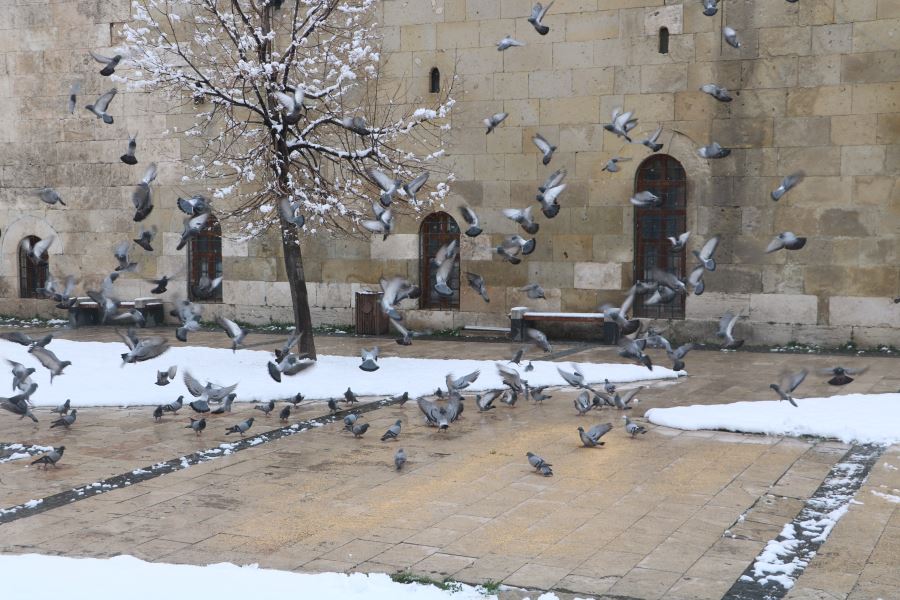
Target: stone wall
{"x":815,"y":85}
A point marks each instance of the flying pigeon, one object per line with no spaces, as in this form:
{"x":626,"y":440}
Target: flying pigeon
{"x":226,"y":405}
{"x":383,"y":223}
{"x":508,"y":42}
{"x":632,"y":349}
{"x":240,"y":428}
{"x":461,"y":383}
{"x":513,"y":245}
{"x":548,"y":199}
{"x":612,"y":165}
{"x":357,"y":125}
{"x":66,"y":420}
{"x":142,"y":196}
{"x":726,"y":331}
{"x":510,"y":377}
{"x":290,"y":213}
{"x":37,"y":251}
{"x":583,"y":404}
{"x":619,"y":314}
{"x":717,"y":92}
{"x":128,"y":158}
{"x":705,"y":254}
{"x":731,"y":37}
{"x":18,"y":404}
{"x":713,"y":150}
{"x":538,"y":12}
{"x":522,"y":217}
{"x":393,"y":431}
{"x":476,"y":282}
{"x":538,"y":338}
{"x":192,"y":227}
{"x":444,"y":260}
{"x":471,"y":219}
{"x":789,"y":382}
{"x":537,"y":394}
{"x":494,"y":121}
{"x":633,"y":428}
{"x":652,"y":141}
{"x":369,"y":360}
{"x":209,"y":392}
{"x":787,"y":184}
{"x":197,"y":425}
{"x":145,"y":238}
{"x":553,"y":180}
{"x":677,"y":356}
{"x":388,"y":186}
{"x":621,"y":123}
{"x":787,"y":240}
{"x":73,"y":96}
{"x":646,"y":199}
{"x":485,"y":402}
{"x":101,"y":105}
{"x":110,"y":63}
{"x":120,"y":252}
{"x":841,"y":375}
{"x":233,"y":331}
{"x":50,"y":458}
{"x":141,"y":349}
{"x":174,"y":407}
{"x":547,"y":149}
{"x":292,"y":105}
{"x":709,"y":7}
{"x":50,"y":196}
{"x":188,"y":314}
{"x":50,"y":361}
{"x":591,"y":437}
{"x":399,"y":459}
{"x":413,"y":187}
{"x":193,"y":206}
{"x":160,"y":284}
{"x":680,"y":242}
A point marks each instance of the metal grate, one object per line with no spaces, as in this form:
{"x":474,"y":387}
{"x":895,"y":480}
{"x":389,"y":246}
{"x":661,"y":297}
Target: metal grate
{"x":205,"y":258}
{"x":32,"y":276}
{"x":664,"y":176}
{"x":437,"y":230}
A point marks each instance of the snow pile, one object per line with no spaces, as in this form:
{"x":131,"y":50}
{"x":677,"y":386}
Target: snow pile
{"x":863,"y":418}
{"x":778,"y":561}
{"x":96,"y":378}
{"x":107,"y":579}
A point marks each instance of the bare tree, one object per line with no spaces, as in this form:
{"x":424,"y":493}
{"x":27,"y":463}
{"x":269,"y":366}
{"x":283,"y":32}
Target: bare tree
{"x":291,"y":118}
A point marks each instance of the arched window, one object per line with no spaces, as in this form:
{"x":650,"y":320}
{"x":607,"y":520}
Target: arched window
{"x":434,"y":83}
{"x":205,"y":259}
{"x":32,"y":275}
{"x":664,"y":176}
{"x":438,"y":229}
{"x":663,"y":40}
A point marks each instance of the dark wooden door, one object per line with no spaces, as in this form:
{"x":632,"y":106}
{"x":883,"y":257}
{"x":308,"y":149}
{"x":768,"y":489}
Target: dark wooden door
{"x":438,"y":229}
{"x":664,"y":176}
{"x":205,"y":258}
{"x":32,"y":275}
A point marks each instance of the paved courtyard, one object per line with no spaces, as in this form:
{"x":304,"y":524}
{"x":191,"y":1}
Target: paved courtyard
{"x":671,"y":514}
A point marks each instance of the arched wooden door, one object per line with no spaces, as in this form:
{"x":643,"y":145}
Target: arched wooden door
{"x":205,"y":258}
{"x":664,"y":176}
{"x":438,"y":229}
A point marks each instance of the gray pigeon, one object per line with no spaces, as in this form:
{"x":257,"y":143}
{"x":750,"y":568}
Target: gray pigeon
{"x":476,"y":282}
{"x":583,"y":403}
{"x":292,"y":104}
{"x":399,"y":459}
{"x":289,"y":365}
{"x":174,"y":407}
{"x":285,"y":413}
{"x":591,"y":437}
{"x":612,"y":165}
{"x":50,"y":196}
{"x":713,"y":150}
{"x":142,"y":196}
{"x":787,"y":184}
{"x":73,"y":96}
{"x":21,"y":375}
{"x":199,"y":406}
{"x":538,"y":338}
{"x":633,"y":349}
{"x":226,"y":405}
{"x":709,"y":7}
{"x":717,"y":92}
{"x":435,"y":416}
{"x":538,"y":12}
{"x":508,"y":42}
{"x":50,"y":458}
{"x":194,"y":206}
{"x":66,"y":420}
{"x":50,"y":361}
{"x":332,"y":405}
{"x":522,"y":217}
{"x":677,"y":356}
{"x":369,"y":360}
{"x":494,"y":120}
{"x":787,"y":240}
{"x":536,"y":461}
{"x":18,"y":404}
{"x":145,"y":238}
{"x":652,"y":140}
{"x":510,"y":377}
{"x":461,"y":383}
{"x":350,"y":397}
{"x":233,"y":331}
{"x":359,"y":429}
{"x":393,"y":432}
{"x":210,"y":392}
{"x":128,"y":158}
{"x":350,"y":420}
{"x":240,"y":428}
{"x":555,"y":179}
{"x":486,"y":402}
{"x":533,"y":291}
{"x":192,"y":227}
{"x":705,"y":254}
{"x":444,"y":260}
{"x":109,"y":62}
{"x":679,"y":243}
{"x":266,"y":408}
{"x":62,"y":409}
{"x":164,"y":377}
{"x":622,"y":123}
{"x":646,"y":199}
{"x":731,"y":37}
{"x":197,"y":425}
{"x":547,"y":149}
{"x":537,"y":394}
{"x":141,"y":349}
{"x":471,"y":219}
{"x":633,"y":428}
{"x":726,"y":331}
{"x":789,"y":382}
{"x":414,"y":186}
{"x":623,"y":402}
{"x":290,"y":212}
{"x":101,"y":105}
{"x":509,"y":397}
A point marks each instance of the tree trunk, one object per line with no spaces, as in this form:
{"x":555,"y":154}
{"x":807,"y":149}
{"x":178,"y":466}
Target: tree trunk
{"x":293,"y":264}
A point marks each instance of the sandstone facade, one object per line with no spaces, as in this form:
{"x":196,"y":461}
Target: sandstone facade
{"x":816,"y":86}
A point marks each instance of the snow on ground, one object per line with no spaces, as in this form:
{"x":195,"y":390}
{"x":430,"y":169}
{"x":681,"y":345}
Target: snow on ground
{"x":888,"y":497}
{"x":113,"y":578}
{"x":96,"y":378}
{"x":864,"y":418}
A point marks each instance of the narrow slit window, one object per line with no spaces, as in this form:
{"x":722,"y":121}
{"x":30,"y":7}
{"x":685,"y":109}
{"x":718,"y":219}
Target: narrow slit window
{"x":434,"y":85}
{"x":663,"y":40}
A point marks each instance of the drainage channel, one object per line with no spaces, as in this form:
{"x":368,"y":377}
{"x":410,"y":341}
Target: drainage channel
{"x":37,"y":506}
{"x":773,"y":572}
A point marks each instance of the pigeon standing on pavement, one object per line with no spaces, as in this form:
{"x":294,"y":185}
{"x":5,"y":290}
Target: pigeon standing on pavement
{"x":266,"y":408}
{"x":285,"y":413}
{"x":66,"y":420}
{"x":240,"y":428}
{"x":633,"y":428}
{"x":591,"y":437}
{"x":399,"y":459}
{"x":359,"y":429}
{"x":197,"y":425}
{"x":393,"y":431}
{"x":50,"y":458}
{"x":174,"y":407}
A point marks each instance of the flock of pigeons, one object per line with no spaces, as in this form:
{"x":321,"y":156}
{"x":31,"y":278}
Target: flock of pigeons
{"x":662,"y":287}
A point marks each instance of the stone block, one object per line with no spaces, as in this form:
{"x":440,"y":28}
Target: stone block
{"x":712,"y":305}
{"x":570,"y":55}
{"x":278,"y":293}
{"x":598,"y":276}
{"x":888,"y":129}
{"x":862,"y":160}
{"x":874,"y":36}
{"x":853,"y":130}
{"x":587,"y":27}
{"x":482,"y":9}
{"x":814,"y":160}
{"x":527,"y":58}
{"x":550,"y":84}
{"x":399,"y":246}
{"x":783,"y":308}
{"x":743,"y":133}
{"x":457,"y":35}
{"x":510,"y":86}
{"x":802,"y":131}
{"x":551,"y":274}
{"x":817,"y":12}
{"x":243,"y":292}
{"x":671,"y":17}
{"x":829,"y":100}
{"x":771,"y":72}
{"x":663,"y":78}
{"x":559,"y":111}
{"x":832,"y":39}
{"x":784,"y":41}
{"x":876,"y":98}
{"x":862,"y":311}
{"x":593,"y":81}
{"x":873,"y":67}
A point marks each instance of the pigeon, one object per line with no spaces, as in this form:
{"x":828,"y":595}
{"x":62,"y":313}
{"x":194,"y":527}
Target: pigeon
{"x":24,"y":339}
{"x":290,"y":213}
{"x":539,"y":339}
{"x":209,"y":392}
{"x":510,"y":377}
{"x":710,"y":8}
{"x":383,"y":223}
{"x":405,"y":338}
{"x":158,"y":413}
{"x":624,"y":401}
{"x":652,"y":141}
{"x":646,"y":199}
{"x":174,"y":407}
{"x":731,"y":37}
{"x":485,"y":402}
{"x":612,"y":165}
{"x":679,"y":243}
{"x":350,"y":420}
{"x":350,"y":397}
{"x":50,"y":196}
{"x":197,"y":425}
{"x":233,"y":331}
{"x":226,"y":405}
{"x":36,"y":253}
{"x":394,"y":291}
{"x":547,"y":149}
{"x":188,"y":314}
{"x":292,"y":105}
{"x":583,"y":403}
{"x":713,"y":150}
{"x":787,"y":184}
{"x":538,"y":12}
{"x":369,"y":360}
{"x":789,"y":382}
{"x":120,"y":252}
{"x":533,"y":291}
{"x":128,"y":158}
{"x":21,"y":375}
{"x":359,"y":429}
{"x":145,"y":238}
{"x":194,"y":206}
{"x":199,"y":406}
{"x":633,"y":428}
{"x":476,"y":282}
{"x":522,"y":217}
{"x":513,"y":245}
{"x":50,"y":361}
{"x":633,"y":349}
{"x":555,"y":179}
{"x":435,"y":416}
{"x":705,"y":254}
{"x":160,"y":284}
{"x":18,"y":404}
{"x":537,"y":394}
{"x":205,"y":287}
{"x":62,"y":409}
{"x":388,"y":186}
{"x":548,"y":200}
{"x":539,"y":464}
{"x":240,"y":428}
{"x":619,"y":314}
{"x":509,"y":397}
{"x":73,"y":97}
{"x":717,"y":92}
{"x":109,"y":63}
{"x":517,"y":357}
{"x":266,"y":408}
{"x":677,"y":356}
{"x":508,"y":42}
{"x":50,"y":458}
{"x":841,"y":375}
{"x":575,"y":378}
{"x":61,"y":295}
{"x":392,"y":432}
{"x":192,"y":227}
{"x":101,"y":105}
{"x":357,"y":125}
{"x":285,"y":413}
{"x":444,"y":259}
{"x":332,"y":405}
{"x":621,"y":123}
{"x":494,"y":121}
{"x":142,"y":196}
{"x":726,"y":331}
{"x":399,"y":459}
{"x":787,"y":240}
{"x":461,"y":383}
{"x":591,"y":437}
{"x":471,"y":219}
{"x":66,"y":420}
{"x":141,"y":349}
{"x":400,"y":399}
{"x":413,"y":187}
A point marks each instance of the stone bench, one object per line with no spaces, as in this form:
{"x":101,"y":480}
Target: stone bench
{"x":87,"y":312}
{"x":521,"y":317}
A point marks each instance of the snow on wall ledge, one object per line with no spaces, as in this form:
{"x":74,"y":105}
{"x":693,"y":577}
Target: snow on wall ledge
{"x":863,"y":418}
{"x":96,"y":378}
